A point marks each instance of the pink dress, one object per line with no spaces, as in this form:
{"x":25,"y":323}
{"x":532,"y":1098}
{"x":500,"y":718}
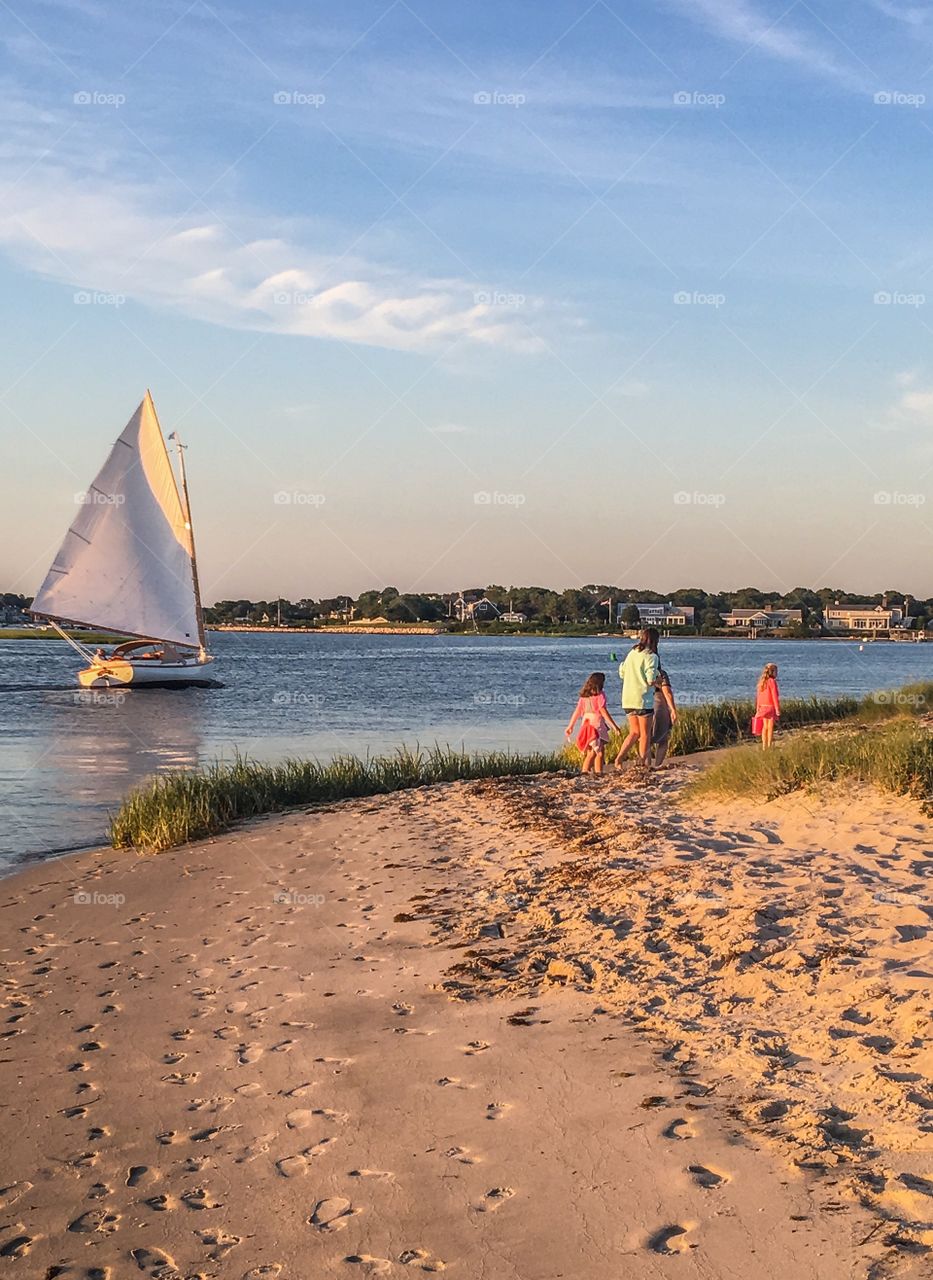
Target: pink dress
{"x":768,"y":704}
{"x":594,"y":732}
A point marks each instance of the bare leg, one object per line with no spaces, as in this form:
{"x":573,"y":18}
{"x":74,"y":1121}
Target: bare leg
{"x":587,"y":761}
{"x":645,"y":724}
{"x":598,"y":760}
{"x":767,"y":733}
{"x":630,"y":740}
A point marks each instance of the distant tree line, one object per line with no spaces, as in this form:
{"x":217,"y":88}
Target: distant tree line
{"x":575,"y":606}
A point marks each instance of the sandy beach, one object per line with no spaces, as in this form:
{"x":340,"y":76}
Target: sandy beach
{"x":531,"y":1028}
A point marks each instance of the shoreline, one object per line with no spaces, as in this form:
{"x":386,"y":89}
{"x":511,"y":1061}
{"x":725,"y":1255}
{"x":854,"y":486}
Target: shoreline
{"x":367,"y":1026}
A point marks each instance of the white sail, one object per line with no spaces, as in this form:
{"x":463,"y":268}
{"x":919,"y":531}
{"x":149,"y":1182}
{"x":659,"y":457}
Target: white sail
{"x":126,"y":564}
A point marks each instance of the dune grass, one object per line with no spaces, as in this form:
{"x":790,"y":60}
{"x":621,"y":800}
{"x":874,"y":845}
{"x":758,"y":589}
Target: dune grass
{"x":181,"y":806}
{"x":897,"y":757}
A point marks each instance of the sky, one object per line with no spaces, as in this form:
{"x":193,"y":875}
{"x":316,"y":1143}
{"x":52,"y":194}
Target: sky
{"x":631,"y":291}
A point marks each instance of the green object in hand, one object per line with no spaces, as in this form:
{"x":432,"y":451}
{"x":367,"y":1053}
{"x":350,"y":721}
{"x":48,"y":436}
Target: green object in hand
{"x":613,"y":658}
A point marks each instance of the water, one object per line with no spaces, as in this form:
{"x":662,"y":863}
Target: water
{"x":66,"y":761}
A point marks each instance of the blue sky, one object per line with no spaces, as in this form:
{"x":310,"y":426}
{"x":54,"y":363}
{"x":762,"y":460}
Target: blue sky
{"x":653,"y":278}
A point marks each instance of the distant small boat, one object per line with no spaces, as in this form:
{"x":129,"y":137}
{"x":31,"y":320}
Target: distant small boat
{"x":128,"y":565}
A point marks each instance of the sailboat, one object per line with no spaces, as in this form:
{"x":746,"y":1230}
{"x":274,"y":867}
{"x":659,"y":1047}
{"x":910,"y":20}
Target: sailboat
{"x":128,"y":565}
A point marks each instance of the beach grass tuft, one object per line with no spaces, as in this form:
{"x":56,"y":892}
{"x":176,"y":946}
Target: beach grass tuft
{"x":182,"y":806}
{"x":896,"y":757}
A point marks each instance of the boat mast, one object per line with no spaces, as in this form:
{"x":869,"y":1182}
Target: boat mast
{"x":199,"y":612}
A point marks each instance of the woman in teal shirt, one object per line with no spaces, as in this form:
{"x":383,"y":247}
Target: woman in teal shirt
{"x":639,"y":672}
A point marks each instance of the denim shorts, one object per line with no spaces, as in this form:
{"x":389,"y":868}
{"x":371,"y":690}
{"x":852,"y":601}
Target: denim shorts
{"x":640,"y":711}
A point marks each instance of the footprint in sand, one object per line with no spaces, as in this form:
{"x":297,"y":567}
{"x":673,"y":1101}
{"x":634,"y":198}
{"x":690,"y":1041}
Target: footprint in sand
{"x":300,"y":1090}
{"x":709,"y":1179}
{"x":248,"y":1053}
{"x":335,"y":1117}
{"x":17,"y":1247}
{"x":370,"y":1173}
{"x":476,"y":1046}
{"x":670,"y":1239}
{"x":421,"y":1258}
{"x":494,"y":1198}
{"x":154,"y":1261}
{"x":200,"y":1198}
{"x":13,"y":1192}
{"x":402,"y":1009}
{"x":162,"y":1203}
{"x":370,"y":1266}
{"x":268,"y":1271}
{"x":496,"y":1110}
{"x":220,"y":1241}
{"x":461,"y":1155}
{"x":678,"y":1128}
{"x":332,"y":1214}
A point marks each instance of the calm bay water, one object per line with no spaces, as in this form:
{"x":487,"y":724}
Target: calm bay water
{"x":66,"y":761}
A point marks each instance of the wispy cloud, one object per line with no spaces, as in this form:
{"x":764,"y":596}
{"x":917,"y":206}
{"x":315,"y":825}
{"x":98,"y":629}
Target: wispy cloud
{"x":236,"y":271}
{"x":773,"y":33}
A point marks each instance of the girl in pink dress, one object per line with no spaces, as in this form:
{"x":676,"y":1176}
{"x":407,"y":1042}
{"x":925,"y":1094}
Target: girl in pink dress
{"x":594,"y":731}
{"x":768,"y":703}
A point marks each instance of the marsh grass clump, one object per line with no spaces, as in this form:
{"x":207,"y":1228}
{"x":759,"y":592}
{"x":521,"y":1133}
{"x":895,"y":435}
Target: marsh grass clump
{"x":182,"y":806}
{"x":897,"y":757}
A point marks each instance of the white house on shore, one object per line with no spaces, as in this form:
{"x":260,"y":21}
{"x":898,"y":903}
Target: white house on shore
{"x":880,"y":618}
{"x":759,"y":619}
{"x":659,"y":615}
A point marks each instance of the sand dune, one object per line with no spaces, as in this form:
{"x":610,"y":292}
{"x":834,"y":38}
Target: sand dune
{"x":527,"y":1029}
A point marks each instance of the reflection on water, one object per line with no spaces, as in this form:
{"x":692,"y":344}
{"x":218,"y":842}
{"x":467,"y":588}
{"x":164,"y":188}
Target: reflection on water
{"x":66,"y":760}
{"x":72,"y":755}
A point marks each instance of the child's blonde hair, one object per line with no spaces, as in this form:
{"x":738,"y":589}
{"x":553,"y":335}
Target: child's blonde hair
{"x":769,"y":673}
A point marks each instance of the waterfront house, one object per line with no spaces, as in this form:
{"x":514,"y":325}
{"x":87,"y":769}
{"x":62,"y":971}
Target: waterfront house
{"x":760,"y":619}
{"x":659,"y":615}
{"x":880,"y":618}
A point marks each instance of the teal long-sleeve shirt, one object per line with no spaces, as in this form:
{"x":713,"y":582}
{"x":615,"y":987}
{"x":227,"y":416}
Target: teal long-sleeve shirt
{"x":639,"y":672}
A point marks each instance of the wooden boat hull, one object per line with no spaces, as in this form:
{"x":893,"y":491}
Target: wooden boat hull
{"x":147,"y":673}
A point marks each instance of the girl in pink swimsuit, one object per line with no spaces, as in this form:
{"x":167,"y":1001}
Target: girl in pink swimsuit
{"x":768,"y":703}
{"x":594,"y":731}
